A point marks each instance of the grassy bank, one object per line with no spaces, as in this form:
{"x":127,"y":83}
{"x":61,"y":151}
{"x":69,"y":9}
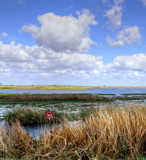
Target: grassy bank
{"x":111,"y":133}
{"x":62,"y":87}
{"x":19,"y":98}
{"x":45,"y":87}
{"x":59,"y":98}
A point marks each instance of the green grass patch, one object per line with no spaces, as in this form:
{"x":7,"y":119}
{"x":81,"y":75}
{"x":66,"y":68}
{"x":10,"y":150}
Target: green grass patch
{"x":28,"y":116}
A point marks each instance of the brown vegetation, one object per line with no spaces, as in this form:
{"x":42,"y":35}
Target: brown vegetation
{"x":110,"y":133}
{"x":54,"y":97}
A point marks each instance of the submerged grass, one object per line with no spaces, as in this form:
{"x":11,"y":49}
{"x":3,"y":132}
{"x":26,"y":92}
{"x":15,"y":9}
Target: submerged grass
{"x":111,"y":133}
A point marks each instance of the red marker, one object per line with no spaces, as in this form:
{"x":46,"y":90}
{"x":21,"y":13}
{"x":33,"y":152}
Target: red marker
{"x":49,"y":115}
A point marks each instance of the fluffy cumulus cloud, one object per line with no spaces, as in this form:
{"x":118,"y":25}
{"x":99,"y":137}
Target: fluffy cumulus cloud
{"x":39,"y":52}
{"x":136,"y":62}
{"x":16,"y":57}
{"x":3,"y":67}
{"x":125,"y":36}
{"x":72,"y":63}
{"x":114,"y":15}
{"x":12,"y":52}
{"x":39,"y":62}
{"x":65,"y":33}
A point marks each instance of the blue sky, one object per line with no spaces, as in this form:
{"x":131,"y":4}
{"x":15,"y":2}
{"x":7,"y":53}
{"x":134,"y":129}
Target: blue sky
{"x":70,"y":42}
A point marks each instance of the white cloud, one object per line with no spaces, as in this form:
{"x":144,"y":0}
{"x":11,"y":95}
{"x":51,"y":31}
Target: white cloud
{"x":4,"y":34}
{"x":126,"y":36}
{"x":39,"y":59}
{"x":34,"y":58}
{"x":12,"y":52}
{"x":136,"y":62}
{"x":144,"y":2}
{"x":3,"y":67}
{"x":71,"y":63}
{"x":36,"y":62}
{"x":114,"y":15}
{"x":40,"y":52}
{"x":65,"y":33}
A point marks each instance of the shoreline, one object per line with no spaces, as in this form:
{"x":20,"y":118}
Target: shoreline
{"x":63,"y":87}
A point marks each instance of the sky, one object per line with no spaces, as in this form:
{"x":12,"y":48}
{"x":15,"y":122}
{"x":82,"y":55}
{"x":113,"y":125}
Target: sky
{"x":73,"y":42}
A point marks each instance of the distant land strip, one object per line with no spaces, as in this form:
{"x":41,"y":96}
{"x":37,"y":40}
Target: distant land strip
{"x":62,"y":87}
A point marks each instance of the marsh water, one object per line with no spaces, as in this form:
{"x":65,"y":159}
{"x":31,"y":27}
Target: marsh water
{"x":116,"y":91}
{"x":69,"y":107}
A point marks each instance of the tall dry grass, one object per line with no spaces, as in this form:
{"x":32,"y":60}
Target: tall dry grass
{"x":110,"y":133}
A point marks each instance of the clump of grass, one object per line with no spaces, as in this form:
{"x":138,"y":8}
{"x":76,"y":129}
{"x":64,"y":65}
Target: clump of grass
{"x":86,"y":112}
{"x":15,"y":142}
{"x":29,"y":116}
{"x":111,"y":133}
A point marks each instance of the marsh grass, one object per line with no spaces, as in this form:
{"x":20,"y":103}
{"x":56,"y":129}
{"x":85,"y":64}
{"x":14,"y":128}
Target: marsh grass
{"x":110,"y":133}
{"x":53,"y":97}
{"x":59,"y":98}
{"x":29,"y":116}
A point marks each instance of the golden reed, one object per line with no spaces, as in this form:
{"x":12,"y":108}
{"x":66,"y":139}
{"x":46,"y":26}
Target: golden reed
{"x":114,"y":132}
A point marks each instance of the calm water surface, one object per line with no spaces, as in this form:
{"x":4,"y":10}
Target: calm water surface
{"x":116,"y":91}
